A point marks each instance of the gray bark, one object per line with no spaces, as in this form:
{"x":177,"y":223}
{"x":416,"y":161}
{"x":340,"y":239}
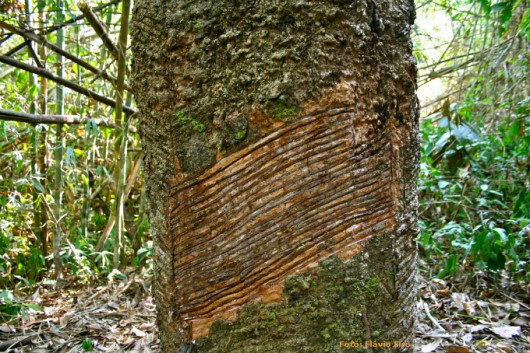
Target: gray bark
{"x":281,"y":161}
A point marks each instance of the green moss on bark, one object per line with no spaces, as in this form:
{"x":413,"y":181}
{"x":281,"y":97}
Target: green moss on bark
{"x":335,"y":302}
{"x":283,"y":110}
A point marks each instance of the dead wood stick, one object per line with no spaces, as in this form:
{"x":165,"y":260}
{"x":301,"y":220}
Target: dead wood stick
{"x":12,"y":115}
{"x":98,"y":28}
{"x":40,"y":40}
{"x":18,"y":342}
{"x":44,"y":73}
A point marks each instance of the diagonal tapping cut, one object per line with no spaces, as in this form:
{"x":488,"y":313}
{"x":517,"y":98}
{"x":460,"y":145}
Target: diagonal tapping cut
{"x":309,"y":190}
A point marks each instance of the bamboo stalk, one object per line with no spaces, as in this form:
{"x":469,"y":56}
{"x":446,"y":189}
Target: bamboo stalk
{"x":59,"y":142}
{"x":128,"y":188}
{"x":34,"y":138}
{"x":119,"y":253}
{"x":43,"y":102}
{"x":85,"y":208}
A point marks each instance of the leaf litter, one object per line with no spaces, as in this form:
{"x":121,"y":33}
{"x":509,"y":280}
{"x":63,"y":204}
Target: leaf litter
{"x":114,"y":317}
{"x":454,"y":317}
{"x":477,"y":313}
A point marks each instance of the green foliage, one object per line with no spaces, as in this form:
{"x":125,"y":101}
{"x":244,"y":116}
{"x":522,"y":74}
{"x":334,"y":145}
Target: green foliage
{"x":144,"y":256}
{"x":11,"y":306}
{"x":475,"y":194}
{"x":87,"y":344}
{"x":89,"y":161}
{"x":475,"y":166}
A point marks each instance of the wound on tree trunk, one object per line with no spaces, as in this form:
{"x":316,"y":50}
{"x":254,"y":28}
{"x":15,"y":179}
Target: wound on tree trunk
{"x":281,"y":159}
{"x":307,"y":191}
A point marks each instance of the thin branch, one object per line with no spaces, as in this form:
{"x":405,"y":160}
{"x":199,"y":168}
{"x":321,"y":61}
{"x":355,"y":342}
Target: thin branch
{"x":445,"y":96}
{"x":80,"y":17}
{"x":7,"y":36}
{"x":448,"y":69}
{"x":18,"y":48}
{"x":11,"y":115}
{"x":98,"y":28}
{"x":55,"y":48}
{"x":44,"y":73}
{"x":35,"y":56}
{"x":64,"y":24}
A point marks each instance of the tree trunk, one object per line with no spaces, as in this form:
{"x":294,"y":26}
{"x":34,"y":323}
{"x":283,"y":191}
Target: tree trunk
{"x":281,"y":159}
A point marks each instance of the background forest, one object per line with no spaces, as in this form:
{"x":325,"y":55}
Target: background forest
{"x":72,"y":201}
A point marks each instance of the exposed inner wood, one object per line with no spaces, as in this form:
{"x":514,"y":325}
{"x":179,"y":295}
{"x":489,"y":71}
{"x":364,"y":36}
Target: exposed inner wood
{"x":309,"y":190}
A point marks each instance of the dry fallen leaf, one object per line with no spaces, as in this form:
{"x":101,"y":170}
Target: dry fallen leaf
{"x":470,"y":307}
{"x":7,"y":329}
{"x":127,"y":341}
{"x":504,"y":347}
{"x":138,"y":333}
{"x":148,"y":326}
{"x":444,"y":292}
{"x":506,"y":331}
{"x":476,"y":328}
{"x":430,"y":347}
{"x":459,"y":300}
{"x":456,"y":349}
{"x":93,"y":326}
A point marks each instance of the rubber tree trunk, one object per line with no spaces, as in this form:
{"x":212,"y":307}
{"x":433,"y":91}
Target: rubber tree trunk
{"x":281,"y":160}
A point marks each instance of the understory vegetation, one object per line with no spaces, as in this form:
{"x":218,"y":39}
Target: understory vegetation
{"x":71,"y":214}
{"x":474,"y":180}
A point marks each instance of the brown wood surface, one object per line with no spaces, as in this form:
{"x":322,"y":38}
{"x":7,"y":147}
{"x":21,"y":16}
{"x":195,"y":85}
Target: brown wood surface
{"x":309,"y":190}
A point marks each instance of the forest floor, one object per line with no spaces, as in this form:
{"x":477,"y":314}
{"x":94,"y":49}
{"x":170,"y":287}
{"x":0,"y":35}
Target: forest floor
{"x":473,"y":314}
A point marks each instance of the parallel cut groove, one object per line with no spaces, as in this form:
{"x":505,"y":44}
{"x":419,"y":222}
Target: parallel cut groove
{"x":303,"y":208}
{"x":319,"y":209}
{"x":359,"y":216}
{"x":240,"y":293}
{"x":301,"y":194}
{"x":243,"y":188}
{"x":252,"y":176}
{"x":235,"y":209}
{"x":191,"y":248}
{"x":264,"y":269}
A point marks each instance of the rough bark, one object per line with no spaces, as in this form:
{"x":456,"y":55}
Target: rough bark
{"x":281,"y":159}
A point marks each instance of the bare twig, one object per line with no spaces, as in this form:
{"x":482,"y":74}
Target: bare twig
{"x":18,"y":342}
{"x":11,"y":115}
{"x":62,"y":25}
{"x":41,"y":40}
{"x":44,"y":73}
{"x":98,"y":28}
{"x":428,"y":313}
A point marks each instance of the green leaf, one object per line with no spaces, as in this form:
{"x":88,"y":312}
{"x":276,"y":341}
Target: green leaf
{"x":87,"y":344}
{"x":37,"y":185}
{"x":442,"y":184}
{"x":7,"y":295}
{"x":34,"y":307}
